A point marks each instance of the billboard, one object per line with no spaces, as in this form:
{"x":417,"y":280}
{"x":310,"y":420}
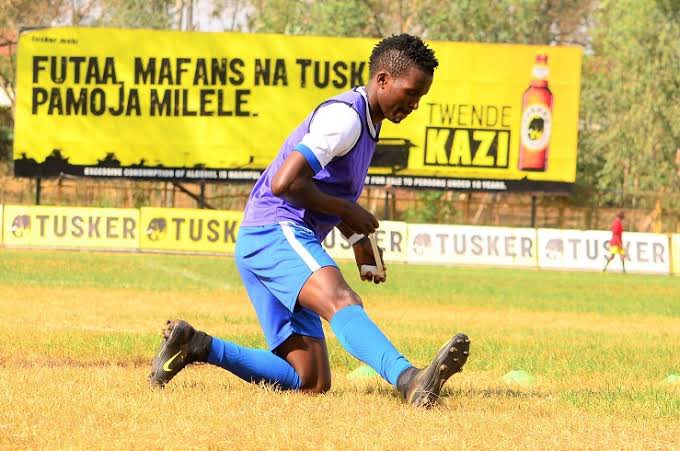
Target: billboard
{"x":151,"y":104}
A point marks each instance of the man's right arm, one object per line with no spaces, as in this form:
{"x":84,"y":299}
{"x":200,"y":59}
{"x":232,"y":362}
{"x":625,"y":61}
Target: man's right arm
{"x":293,"y":182}
{"x":333,"y":131}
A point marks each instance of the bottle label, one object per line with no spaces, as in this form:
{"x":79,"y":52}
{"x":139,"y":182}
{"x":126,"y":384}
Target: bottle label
{"x":536,"y":127}
{"x":540,"y":72}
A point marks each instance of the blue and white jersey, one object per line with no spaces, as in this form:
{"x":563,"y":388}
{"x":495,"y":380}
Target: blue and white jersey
{"x":338,"y":141}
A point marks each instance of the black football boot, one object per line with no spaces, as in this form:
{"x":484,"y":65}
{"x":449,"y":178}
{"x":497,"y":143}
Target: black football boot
{"x":180,"y":346}
{"x":421,"y":387}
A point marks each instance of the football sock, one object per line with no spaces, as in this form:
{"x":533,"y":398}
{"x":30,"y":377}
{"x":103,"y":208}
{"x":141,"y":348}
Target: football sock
{"x":253,"y":365}
{"x":362,"y":338}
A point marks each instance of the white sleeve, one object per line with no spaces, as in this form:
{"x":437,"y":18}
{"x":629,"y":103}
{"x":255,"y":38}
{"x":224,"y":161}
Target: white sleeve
{"x":334,"y":130}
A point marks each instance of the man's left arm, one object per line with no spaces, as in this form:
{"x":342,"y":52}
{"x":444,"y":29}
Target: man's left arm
{"x":363,"y":253}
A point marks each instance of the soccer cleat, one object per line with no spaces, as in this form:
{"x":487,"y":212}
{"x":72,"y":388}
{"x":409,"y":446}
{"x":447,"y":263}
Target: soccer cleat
{"x":180,"y":346}
{"x":421,"y":387}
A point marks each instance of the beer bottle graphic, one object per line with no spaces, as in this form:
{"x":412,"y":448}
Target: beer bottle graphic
{"x":536,"y":126}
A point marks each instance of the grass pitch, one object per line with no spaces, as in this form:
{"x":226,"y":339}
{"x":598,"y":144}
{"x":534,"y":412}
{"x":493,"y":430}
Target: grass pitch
{"x":79,"y":331}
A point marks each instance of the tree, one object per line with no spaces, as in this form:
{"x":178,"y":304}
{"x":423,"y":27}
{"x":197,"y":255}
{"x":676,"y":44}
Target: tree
{"x":327,"y":18}
{"x":135,"y":14}
{"x":631,"y":84}
{"x":235,"y":15}
{"x":15,"y":15}
{"x":507,"y":21}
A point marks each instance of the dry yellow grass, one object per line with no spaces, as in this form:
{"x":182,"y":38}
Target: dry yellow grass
{"x":112,"y":407}
{"x":74,"y":360}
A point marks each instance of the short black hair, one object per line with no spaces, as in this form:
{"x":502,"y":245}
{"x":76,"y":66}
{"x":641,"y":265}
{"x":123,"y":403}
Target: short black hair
{"x":400,"y":51}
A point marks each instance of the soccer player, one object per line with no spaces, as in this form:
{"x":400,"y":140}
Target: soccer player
{"x":312,"y":186}
{"x":616,"y":242}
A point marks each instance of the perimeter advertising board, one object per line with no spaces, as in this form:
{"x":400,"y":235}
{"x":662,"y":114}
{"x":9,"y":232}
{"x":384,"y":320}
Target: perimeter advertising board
{"x":429,"y":243}
{"x":391,"y":238}
{"x":189,"y":230}
{"x":587,"y":249}
{"x":170,"y":105}
{"x":71,"y":227}
{"x":675,"y":253}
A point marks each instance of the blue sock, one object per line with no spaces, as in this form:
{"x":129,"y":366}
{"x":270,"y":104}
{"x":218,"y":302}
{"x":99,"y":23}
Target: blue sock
{"x":253,"y":365}
{"x":362,"y":338}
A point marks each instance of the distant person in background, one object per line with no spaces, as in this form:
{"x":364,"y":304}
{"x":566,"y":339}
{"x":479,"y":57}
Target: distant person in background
{"x":616,"y":242}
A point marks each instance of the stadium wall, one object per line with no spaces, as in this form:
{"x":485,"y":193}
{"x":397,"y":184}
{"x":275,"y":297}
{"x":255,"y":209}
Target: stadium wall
{"x":215,"y":232}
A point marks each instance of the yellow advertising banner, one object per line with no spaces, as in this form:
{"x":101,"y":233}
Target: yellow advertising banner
{"x":71,"y":227}
{"x":189,"y":230}
{"x":188,"y":106}
{"x":675,"y":253}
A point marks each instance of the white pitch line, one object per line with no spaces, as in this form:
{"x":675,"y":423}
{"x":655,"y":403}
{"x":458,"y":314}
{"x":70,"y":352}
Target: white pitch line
{"x":189,"y":276}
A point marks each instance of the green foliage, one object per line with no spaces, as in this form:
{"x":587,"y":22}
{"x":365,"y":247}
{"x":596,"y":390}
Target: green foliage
{"x":135,"y":14}
{"x":6,"y":137}
{"x":276,"y":16}
{"x":339,"y":18}
{"x":505,"y":21}
{"x":328,"y":18}
{"x":426,"y":209}
{"x":7,"y":78}
{"x":434,"y":207}
{"x":630,"y":130}
{"x":15,"y":14}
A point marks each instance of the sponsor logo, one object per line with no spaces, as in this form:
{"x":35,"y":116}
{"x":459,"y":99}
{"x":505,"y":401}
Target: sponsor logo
{"x":536,"y":127}
{"x":21,"y":226}
{"x":157,"y":229}
{"x":554,"y":249}
{"x":421,"y":243}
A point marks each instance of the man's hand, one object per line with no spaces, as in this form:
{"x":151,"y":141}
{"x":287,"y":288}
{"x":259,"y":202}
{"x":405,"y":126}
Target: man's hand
{"x":363,"y":254}
{"x":359,"y":219}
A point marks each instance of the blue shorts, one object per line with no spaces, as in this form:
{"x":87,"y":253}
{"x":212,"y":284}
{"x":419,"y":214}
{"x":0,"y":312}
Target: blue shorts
{"x":275,"y":262}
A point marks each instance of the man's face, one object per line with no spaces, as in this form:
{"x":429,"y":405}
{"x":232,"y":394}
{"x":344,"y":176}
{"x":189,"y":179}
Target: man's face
{"x":399,"y":96}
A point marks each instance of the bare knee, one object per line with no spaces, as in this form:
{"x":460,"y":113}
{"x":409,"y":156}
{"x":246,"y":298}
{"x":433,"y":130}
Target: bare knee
{"x":343,"y":297}
{"x":326,"y":292}
{"x":316,"y":385}
{"x":309,"y":358}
